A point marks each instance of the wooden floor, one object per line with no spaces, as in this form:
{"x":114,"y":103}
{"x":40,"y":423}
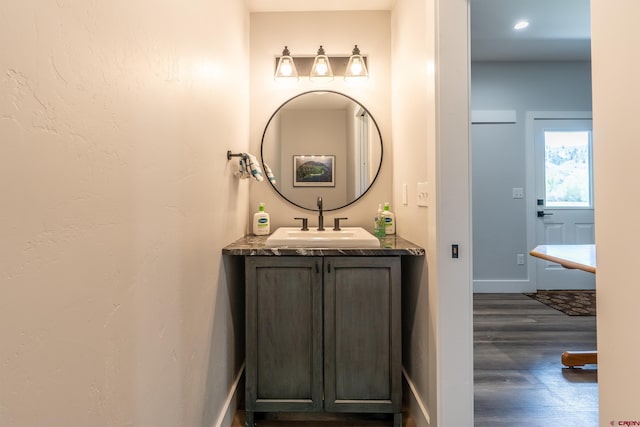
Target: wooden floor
{"x":519,"y":380}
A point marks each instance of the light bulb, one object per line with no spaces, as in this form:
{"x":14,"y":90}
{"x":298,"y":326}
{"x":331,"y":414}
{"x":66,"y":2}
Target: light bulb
{"x":356,"y":66}
{"x":321,"y":67}
{"x":285,"y":68}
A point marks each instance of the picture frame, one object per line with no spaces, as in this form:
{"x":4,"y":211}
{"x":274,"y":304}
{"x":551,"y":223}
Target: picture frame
{"x":314,"y":170}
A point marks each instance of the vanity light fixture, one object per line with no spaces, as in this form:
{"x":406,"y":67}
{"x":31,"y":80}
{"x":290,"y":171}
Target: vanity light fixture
{"x":321,"y":69}
{"x":286,"y":68}
{"x":356,"y":68}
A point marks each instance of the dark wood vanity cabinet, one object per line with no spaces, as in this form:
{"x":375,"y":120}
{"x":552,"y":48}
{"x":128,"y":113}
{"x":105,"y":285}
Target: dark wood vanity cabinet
{"x":284,"y":334}
{"x":323,"y":334}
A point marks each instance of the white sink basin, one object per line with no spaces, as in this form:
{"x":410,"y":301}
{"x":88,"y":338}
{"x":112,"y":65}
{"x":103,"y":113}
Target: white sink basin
{"x":347,"y":237}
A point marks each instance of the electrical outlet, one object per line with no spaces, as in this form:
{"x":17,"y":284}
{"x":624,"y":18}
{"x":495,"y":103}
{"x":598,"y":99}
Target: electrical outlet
{"x":520,"y":259}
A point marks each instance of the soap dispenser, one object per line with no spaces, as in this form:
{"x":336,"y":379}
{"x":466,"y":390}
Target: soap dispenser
{"x":261,"y":222}
{"x":378,"y":224}
{"x":389,"y":220}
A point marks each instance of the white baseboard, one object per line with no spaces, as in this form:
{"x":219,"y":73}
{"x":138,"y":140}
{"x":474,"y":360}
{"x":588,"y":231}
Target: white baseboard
{"x":228,"y":412}
{"x":418,"y":409}
{"x":503,"y":286}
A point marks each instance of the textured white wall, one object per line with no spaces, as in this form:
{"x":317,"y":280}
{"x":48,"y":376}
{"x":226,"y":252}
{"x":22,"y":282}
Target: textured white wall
{"x":303,"y":32}
{"x":616,"y":127}
{"x":115,"y":118}
{"x":414,"y":133}
{"x":431,"y":124}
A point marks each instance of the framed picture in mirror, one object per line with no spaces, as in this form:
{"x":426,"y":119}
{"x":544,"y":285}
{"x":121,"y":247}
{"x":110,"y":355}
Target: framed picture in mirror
{"x":314,"y":171}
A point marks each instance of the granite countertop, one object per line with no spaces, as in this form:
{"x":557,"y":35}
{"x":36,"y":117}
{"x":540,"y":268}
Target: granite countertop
{"x":255,"y":246}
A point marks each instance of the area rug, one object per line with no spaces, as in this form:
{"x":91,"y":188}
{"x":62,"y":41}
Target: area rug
{"x":571,"y":303}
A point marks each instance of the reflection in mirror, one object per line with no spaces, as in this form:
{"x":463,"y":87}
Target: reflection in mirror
{"x":322,"y":144}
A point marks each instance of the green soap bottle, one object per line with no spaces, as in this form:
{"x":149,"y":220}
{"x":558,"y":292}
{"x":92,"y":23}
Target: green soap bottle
{"x":261,"y":222}
{"x":379,"y":225}
{"x":389,"y":220}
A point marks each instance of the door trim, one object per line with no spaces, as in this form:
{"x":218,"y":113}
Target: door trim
{"x":530,"y":176}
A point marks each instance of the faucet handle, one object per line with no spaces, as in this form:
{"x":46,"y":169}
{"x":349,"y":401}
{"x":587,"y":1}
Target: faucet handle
{"x":305,"y":223}
{"x":336,"y":223}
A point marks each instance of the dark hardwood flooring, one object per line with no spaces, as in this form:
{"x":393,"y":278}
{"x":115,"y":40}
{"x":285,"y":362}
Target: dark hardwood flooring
{"x":519,"y":380}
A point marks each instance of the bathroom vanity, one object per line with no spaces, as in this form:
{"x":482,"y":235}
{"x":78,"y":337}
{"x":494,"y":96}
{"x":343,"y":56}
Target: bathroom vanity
{"x":323,"y":327}
{"x":323,"y":306}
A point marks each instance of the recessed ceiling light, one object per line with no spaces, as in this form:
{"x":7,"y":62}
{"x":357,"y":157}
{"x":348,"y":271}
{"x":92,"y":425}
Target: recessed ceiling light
{"x":521,"y":25}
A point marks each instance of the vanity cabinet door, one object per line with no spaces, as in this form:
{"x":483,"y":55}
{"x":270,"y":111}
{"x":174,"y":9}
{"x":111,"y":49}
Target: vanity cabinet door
{"x":362,"y":340}
{"x":284,"y":334}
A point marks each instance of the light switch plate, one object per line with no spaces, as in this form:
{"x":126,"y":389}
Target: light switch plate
{"x":422,"y":196}
{"x":518,"y":193}
{"x":405,"y":195}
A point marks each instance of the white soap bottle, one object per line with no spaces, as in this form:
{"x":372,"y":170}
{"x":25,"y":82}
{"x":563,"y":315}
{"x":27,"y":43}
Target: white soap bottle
{"x":389,"y":220}
{"x":261,"y":222}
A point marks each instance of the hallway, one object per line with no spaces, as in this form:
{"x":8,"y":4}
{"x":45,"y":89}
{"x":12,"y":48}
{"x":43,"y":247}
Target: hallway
{"x":519,"y":380}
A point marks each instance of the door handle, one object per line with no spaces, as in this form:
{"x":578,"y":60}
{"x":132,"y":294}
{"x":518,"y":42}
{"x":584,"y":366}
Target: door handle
{"x":542,"y":214}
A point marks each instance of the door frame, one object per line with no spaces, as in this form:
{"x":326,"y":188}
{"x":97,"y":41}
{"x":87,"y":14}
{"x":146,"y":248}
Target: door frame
{"x":530,"y":177}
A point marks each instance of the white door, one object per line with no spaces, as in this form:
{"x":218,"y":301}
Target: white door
{"x":564,"y":196}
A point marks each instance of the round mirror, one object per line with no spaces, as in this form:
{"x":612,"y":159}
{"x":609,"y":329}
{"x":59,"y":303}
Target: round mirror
{"x":322,"y":144}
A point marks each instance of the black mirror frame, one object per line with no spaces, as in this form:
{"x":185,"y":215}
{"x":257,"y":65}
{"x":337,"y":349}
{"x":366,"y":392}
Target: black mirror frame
{"x":337,"y":93}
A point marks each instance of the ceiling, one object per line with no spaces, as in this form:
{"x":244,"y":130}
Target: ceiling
{"x":317,"y":5}
{"x":559,"y":30}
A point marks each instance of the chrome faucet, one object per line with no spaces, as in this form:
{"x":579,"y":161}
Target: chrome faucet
{"x":320,"y":217}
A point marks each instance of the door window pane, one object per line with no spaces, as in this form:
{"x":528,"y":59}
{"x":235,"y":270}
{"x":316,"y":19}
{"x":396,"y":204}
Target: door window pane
{"x":567,"y":157}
